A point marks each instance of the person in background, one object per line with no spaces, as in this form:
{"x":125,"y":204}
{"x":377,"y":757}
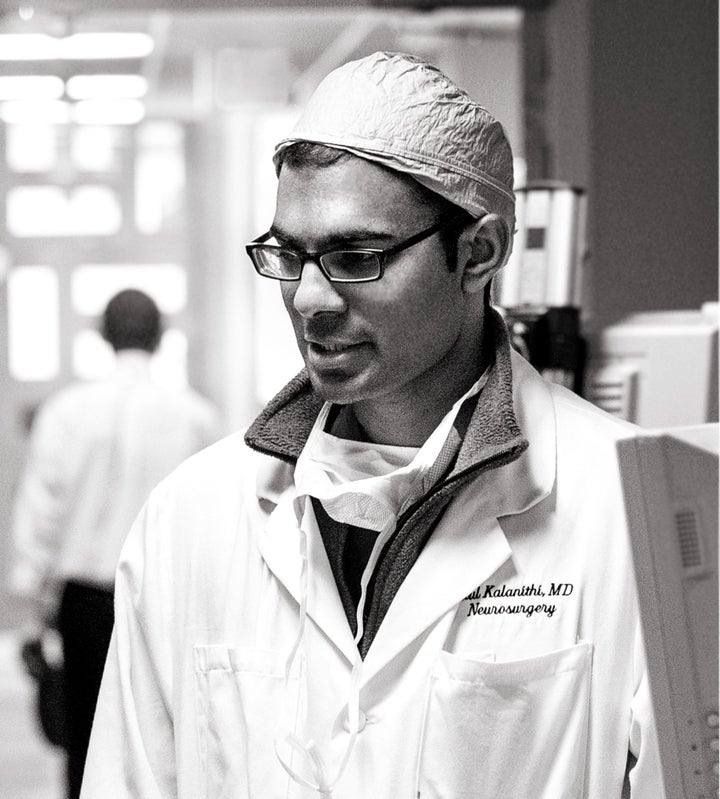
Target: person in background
{"x":411,"y":576}
{"x":96,"y":450}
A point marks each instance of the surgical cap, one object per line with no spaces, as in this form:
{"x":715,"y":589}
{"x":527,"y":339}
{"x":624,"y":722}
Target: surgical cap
{"x":398,"y":111}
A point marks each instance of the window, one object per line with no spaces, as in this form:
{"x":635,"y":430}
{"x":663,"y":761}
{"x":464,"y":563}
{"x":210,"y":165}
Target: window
{"x":31,"y":148}
{"x":33,"y":323}
{"x":52,"y":211}
{"x":97,"y":148}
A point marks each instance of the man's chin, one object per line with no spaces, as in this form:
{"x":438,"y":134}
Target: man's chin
{"x":338,"y":388}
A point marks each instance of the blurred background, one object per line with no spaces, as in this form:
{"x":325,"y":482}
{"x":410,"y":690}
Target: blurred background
{"x":135,"y":143}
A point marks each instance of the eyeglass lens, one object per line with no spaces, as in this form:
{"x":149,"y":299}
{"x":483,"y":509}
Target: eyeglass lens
{"x":351,"y":264}
{"x":347,"y":265}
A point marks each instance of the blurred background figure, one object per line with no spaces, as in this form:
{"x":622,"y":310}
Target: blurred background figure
{"x":96,"y":450}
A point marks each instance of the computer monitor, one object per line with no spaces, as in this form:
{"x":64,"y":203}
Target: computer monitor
{"x":670,"y":481}
{"x":657,"y":368}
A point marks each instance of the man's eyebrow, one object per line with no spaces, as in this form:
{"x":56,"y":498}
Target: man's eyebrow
{"x":346,"y":237}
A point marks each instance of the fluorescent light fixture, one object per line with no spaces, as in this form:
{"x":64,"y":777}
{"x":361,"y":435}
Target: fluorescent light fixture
{"x":88,"y":87}
{"x":31,"y":87}
{"x":108,"y":112}
{"x":84,"y":112}
{"x":18,"y":112}
{"x":28,"y":47}
{"x":107,"y":45}
{"x":77,"y":47}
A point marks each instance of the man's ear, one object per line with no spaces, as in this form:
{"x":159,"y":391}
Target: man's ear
{"x":483,"y":248}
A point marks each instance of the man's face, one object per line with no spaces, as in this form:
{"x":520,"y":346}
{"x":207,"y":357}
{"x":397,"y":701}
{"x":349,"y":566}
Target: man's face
{"x":382,"y":339}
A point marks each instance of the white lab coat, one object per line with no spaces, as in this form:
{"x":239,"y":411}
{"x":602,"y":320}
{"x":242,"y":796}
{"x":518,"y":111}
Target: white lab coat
{"x":509,"y":664}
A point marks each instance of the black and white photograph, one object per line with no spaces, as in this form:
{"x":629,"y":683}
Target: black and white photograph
{"x":359,"y":399}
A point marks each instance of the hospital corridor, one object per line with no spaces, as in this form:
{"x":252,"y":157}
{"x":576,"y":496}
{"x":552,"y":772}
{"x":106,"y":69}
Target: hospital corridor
{"x":156,"y":297}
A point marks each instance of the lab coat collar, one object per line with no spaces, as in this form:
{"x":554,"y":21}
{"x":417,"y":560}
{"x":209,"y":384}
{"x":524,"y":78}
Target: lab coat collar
{"x":531,"y":478}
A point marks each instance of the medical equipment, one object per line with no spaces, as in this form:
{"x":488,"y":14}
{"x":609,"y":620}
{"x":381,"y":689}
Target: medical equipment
{"x":546,"y":264}
{"x":658,"y":368}
{"x":670,"y":482}
{"x":550,"y":339}
{"x":540,"y":287}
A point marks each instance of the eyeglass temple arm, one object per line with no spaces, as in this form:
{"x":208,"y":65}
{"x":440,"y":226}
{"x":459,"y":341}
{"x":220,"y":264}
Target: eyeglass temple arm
{"x":423,"y":234}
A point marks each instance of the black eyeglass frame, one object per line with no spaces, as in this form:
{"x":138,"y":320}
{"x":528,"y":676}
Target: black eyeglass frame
{"x":316,"y":256}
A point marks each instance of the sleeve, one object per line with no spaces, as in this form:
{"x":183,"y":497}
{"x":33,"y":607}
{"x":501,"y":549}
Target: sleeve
{"x":646,"y":780}
{"x":40,"y":509}
{"x":132,"y":746}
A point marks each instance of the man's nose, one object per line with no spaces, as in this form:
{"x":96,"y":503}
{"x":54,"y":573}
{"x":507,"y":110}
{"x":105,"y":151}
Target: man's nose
{"x":315,"y":293}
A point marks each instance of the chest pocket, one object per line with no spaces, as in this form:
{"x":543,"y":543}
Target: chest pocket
{"x":517,"y":729}
{"x":240,"y":699}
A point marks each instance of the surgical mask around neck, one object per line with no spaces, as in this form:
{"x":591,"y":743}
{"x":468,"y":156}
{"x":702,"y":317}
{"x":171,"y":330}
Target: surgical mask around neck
{"x":366,"y":484}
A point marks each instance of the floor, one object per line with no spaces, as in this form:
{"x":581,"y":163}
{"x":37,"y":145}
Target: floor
{"x":29,"y":768}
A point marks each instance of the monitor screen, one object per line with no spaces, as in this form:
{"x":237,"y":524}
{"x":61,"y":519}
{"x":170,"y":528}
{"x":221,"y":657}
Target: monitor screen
{"x":670,"y":482}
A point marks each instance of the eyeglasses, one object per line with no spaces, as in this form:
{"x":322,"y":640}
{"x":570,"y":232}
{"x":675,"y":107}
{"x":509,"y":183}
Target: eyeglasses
{"x":352,"y":265}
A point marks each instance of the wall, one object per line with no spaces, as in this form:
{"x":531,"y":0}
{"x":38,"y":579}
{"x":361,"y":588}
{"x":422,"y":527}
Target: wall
{"x":632,"y":114}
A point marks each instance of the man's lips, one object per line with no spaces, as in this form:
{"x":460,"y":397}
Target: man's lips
{"x":330,"y":355}
{"x":331,"y":346}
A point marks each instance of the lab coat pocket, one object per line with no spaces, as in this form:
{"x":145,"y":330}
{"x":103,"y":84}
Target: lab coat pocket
{"x":241,"y":696}
{"x":515,"y":729}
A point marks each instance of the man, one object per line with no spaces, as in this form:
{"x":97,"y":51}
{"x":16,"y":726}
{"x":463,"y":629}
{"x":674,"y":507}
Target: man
{"x":411,"y":577}
{"x":96,"y":451}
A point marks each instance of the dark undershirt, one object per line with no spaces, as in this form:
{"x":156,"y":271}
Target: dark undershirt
{"x":348,"y":549}
{"x":359,"y":544}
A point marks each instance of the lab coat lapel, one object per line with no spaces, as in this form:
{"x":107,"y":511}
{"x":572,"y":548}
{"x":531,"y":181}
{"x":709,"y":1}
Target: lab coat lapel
{"x":324,"y":603}
{"x":279,"y":546}
{"x":464,"y":551}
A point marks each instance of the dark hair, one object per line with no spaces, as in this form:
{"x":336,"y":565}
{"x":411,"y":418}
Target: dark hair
{"x":310,"y":154}
{"x":304,"y":154}
{"x":132,"y":321}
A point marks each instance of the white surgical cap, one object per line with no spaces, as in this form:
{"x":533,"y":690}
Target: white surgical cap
{"x":405,"y":114}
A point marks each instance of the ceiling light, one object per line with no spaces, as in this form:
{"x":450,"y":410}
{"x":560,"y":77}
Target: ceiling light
{"x":31,"y":87}
{"x":86,"y":87}
{"x":106,"y":45}
{"x":79,"y":46}
{"x":18,"y":112}
{"x":108,"y":112}
{"x":28,"y":47}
